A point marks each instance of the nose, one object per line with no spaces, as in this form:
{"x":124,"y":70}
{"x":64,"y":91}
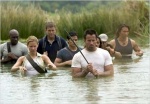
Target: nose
{"x":16,"y":38}
{"x":91,"y":42}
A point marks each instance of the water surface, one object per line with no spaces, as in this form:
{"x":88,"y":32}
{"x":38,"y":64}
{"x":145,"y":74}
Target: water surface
{"x":130,"y":85}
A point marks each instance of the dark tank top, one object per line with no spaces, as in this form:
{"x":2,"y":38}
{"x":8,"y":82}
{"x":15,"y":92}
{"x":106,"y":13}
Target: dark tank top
{"x":124,"y":50}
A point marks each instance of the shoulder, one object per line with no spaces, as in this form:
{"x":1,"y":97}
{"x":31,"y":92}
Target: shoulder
{"x":42,"y":56}
{"x":42,"y":39}
{"x":22,"y":44}
{"x":132,"y":42}
{"x":21,"y":58}
{"x":3,"y":45}
{"x":112,"y":41}
{"x":60,"y":38}
{"x":62,"y":50}
{"x":103,"y":51}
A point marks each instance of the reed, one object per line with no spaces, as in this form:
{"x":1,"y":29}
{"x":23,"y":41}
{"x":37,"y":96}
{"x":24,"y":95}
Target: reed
{"x":31,"y":20}
{"x":28,"y":21}
{"x":106,"y":20}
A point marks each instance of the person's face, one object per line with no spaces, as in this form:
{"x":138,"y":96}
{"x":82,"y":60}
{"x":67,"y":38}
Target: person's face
{"x":98,"y":42}
{"x":104,"y":44}
{"x":90,"y":42}
{"x":75,"y":39}
{"x":124,"y":32}
{"x":14,"y":38}
{"x":51,"y":32}
{"x":32,"y":46}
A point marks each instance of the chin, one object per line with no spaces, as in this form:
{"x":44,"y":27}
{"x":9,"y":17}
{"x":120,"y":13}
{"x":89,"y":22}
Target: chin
{"x":91,"y":48}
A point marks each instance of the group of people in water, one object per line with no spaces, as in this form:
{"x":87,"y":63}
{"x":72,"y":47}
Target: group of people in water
{"x":52,"y":51}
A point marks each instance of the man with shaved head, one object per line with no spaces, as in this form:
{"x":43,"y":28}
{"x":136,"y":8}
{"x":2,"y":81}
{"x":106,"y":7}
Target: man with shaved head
{"x":12,"y":50}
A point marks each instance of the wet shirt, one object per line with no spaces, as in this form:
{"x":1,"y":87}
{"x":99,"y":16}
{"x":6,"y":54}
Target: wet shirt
{"x":53,"y":48}
{"x":66,"y":54}
{"x":124,"y":50}
{"x":98,"y":58}
{"x":18,"y":50}
{"x":30,"y":69}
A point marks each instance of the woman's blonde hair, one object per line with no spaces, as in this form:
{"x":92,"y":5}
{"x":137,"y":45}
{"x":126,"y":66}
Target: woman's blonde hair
{"x":32,"y":39}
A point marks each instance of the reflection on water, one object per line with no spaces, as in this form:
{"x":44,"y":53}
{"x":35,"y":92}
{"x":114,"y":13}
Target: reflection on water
{"x":130,"y":85}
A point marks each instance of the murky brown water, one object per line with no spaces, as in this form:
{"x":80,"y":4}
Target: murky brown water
{"x":130,"y":85}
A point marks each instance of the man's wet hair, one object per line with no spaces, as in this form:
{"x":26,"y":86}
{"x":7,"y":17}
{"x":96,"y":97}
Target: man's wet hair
{"x":72,"y":33}
{"x":90,"y":32}
{"x":120,"y":28}
{"x":50,"y":25}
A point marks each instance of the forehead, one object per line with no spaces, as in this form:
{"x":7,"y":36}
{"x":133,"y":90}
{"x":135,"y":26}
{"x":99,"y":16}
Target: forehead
{"x":51,"y":28}
{"x":75,"y":37}
{"x":89,"y":36}
{"x":13,"y":34}
{"x":124,"y":29}
{"x":30,"y":43}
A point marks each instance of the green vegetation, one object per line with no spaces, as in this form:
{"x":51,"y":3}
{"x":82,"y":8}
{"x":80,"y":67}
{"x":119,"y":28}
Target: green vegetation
{"x":105,"y":18}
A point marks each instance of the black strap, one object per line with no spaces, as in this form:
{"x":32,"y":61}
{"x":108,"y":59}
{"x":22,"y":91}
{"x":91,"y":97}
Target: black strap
{"x":44,"y":43}
{"x":8,"y":47}
{"x":35,"y":65}
{"x":59,"y":43}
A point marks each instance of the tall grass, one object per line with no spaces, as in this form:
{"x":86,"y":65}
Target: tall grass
{"x":31,"y":20}
{"x":107,"y":20}
{"x":28,"y":21}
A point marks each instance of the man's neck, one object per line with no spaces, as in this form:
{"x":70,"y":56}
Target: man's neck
{"x":50,"y":39}
{"x":91,"y":50}
{"x":123,"y":39}
{"x":72,"y":48}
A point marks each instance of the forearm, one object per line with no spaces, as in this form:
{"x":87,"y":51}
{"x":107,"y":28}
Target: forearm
{"x":81,"y":74}
{"x":53,"y":67}
{"x":61,"y":64}
{"x":13,"y":69}
{"x":105,"y":73}
{"x":5,"y":60}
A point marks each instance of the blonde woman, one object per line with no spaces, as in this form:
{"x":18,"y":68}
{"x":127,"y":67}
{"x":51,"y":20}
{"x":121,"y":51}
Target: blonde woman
{"x":25,"y":66}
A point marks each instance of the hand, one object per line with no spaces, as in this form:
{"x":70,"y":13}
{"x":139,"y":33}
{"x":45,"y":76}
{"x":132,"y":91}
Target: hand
{"x":139,"y":53}
{"x":22,"y":70}
{"x":112,"y":51}
{"x":95,"y":72}
{"x":90,"y":67}
{"x":12,"y":56}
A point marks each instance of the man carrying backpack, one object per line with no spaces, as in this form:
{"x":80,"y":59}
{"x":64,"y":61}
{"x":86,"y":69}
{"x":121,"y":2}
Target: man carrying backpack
{"x":51,"y":43}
